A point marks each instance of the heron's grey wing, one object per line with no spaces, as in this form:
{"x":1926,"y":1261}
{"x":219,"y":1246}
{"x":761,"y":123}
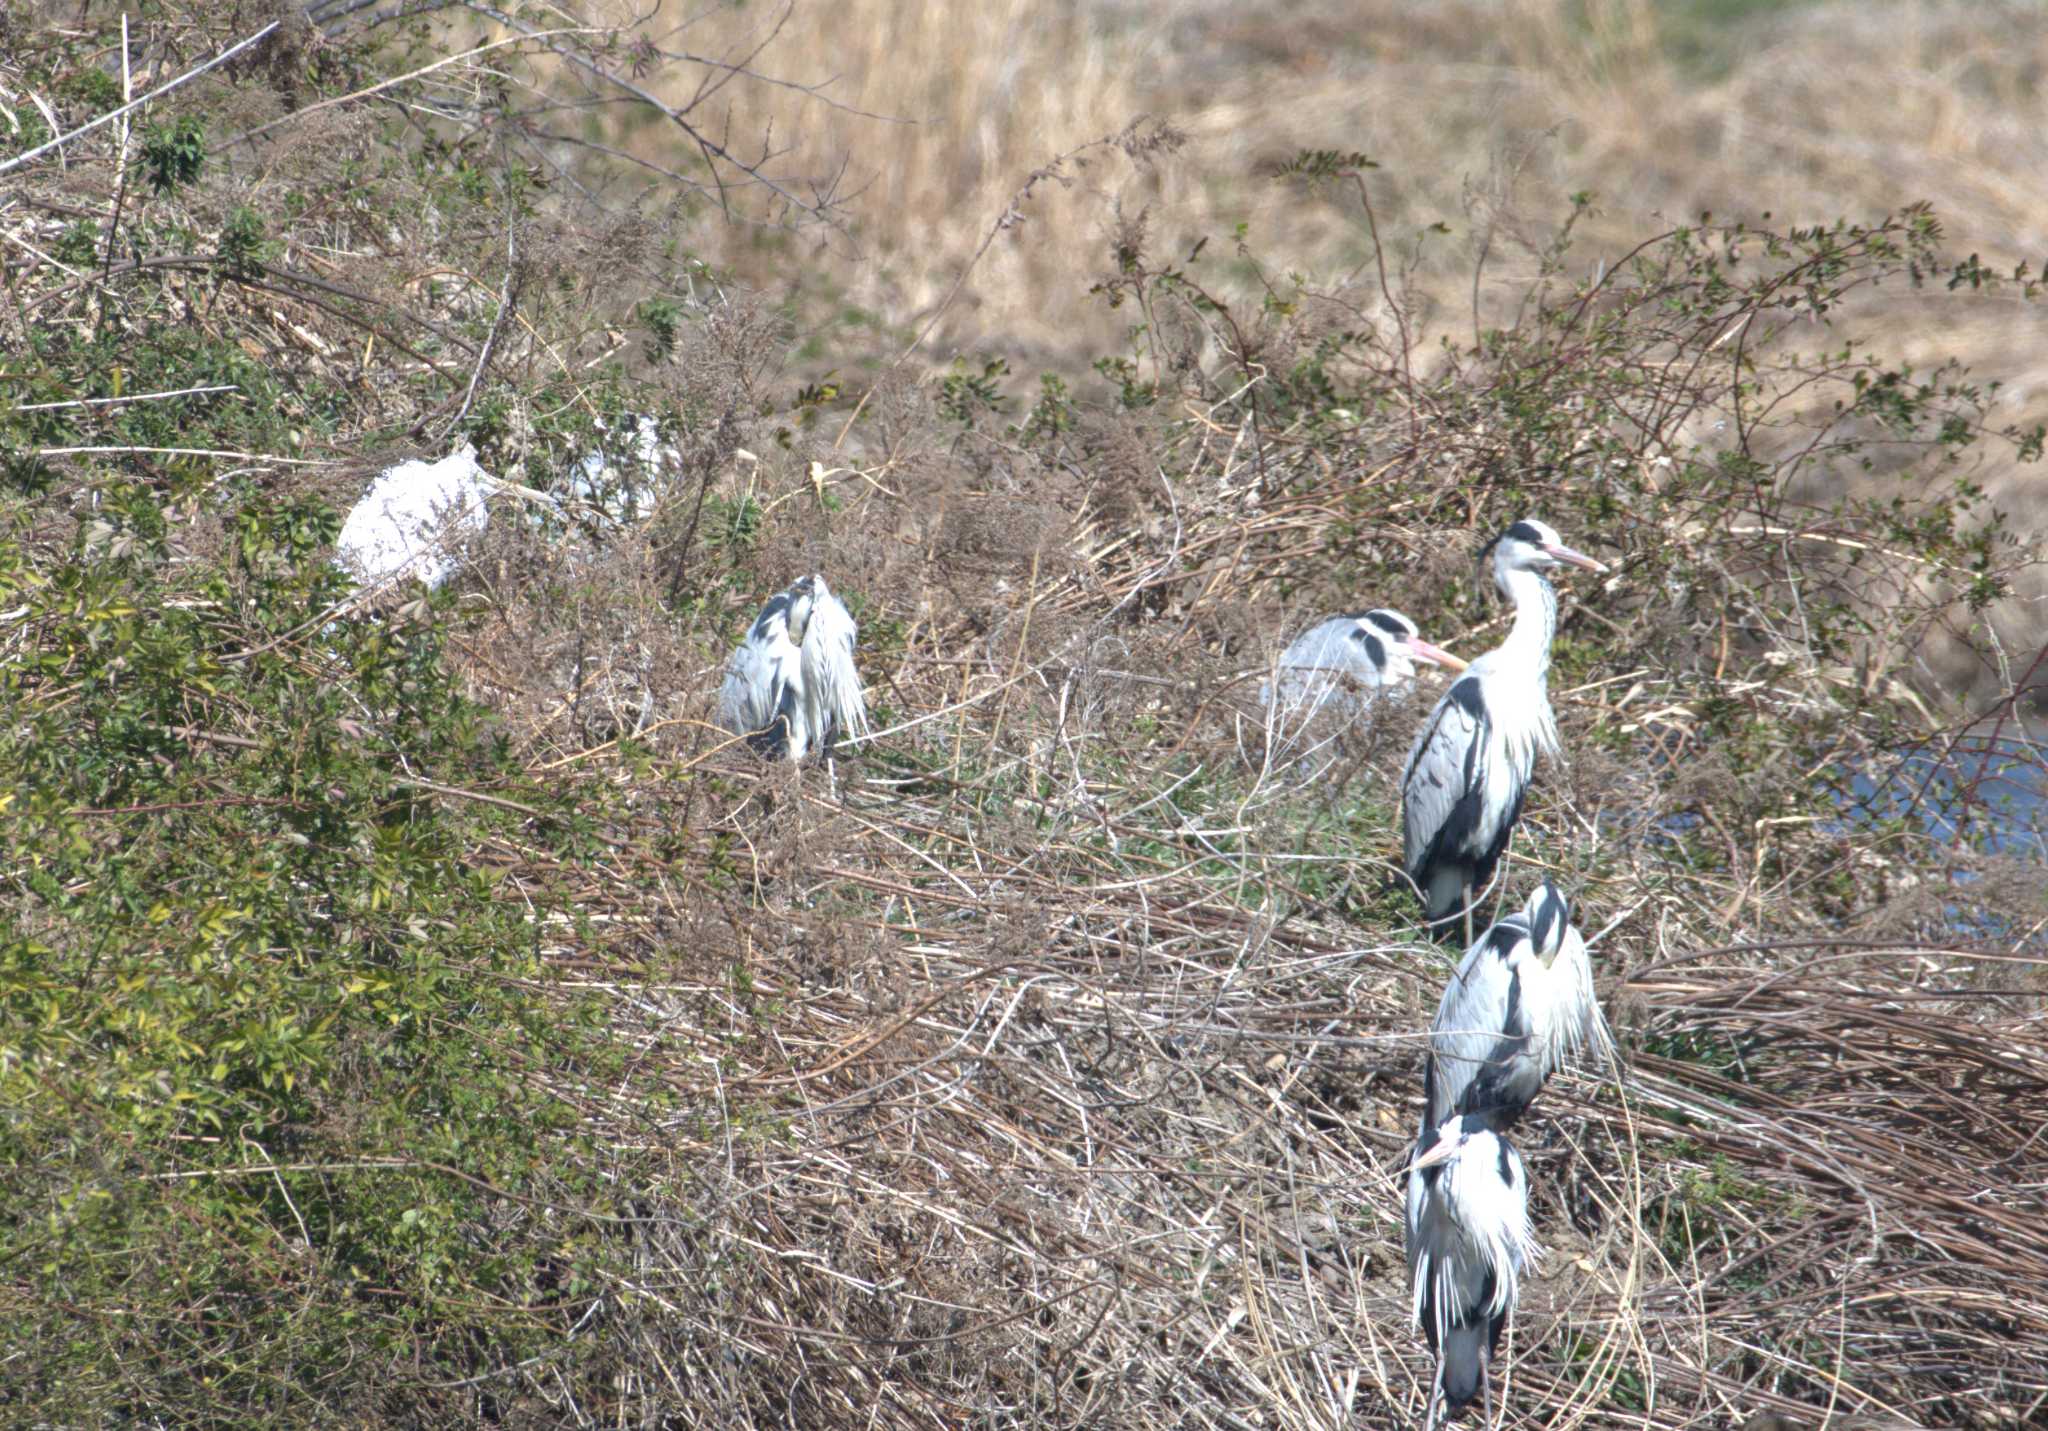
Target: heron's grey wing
{"x":759,"y":685}
{"x":741,"y":698}
{"x":831,"y":681}
{"x":748,"y":699}
{"x":1449,"y":755}
{"x":1322,"y":658}
{"x":1470,"y":1020}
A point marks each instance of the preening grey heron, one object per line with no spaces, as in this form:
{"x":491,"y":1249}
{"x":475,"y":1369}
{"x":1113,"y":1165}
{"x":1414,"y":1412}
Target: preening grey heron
{"x":1470,"y":766}
{"x":1344,"y":661}
{"x":791,"y":687}
{"x":1468,"y":1242}
{"x":1520,"y":1006}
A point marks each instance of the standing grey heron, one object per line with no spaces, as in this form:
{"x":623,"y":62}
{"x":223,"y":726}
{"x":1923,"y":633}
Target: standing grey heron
{"x":1520,"y":1006}
{"x":1470,"y":766}
{"x":791,"y":687}
{"x":1468,"y":1242}
{"x":1366,"y":652}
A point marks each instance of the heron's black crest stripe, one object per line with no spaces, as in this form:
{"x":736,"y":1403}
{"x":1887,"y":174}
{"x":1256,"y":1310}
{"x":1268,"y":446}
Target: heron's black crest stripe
{"x":1524,"y":532}
{"x":1375,"y":649}
{"x":1548,"y":913}
{"x":1391,"y":622}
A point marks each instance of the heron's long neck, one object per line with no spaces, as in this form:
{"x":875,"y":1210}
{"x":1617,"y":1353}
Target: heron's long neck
{"x":1528,"y":645}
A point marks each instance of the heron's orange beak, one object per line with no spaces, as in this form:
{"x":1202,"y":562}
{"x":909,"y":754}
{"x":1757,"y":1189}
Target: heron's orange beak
{"x":1572,"y":558}
{"x":1444,"y":1150}
{"x":1437,"y":655}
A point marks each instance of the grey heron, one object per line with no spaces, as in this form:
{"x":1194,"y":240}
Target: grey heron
{"x":791,"y":687}
{"x":1468,"y":1242}
{"x":1365,"y":651}
{"x":1520,"y":1006}
{"x":1470,"y":766}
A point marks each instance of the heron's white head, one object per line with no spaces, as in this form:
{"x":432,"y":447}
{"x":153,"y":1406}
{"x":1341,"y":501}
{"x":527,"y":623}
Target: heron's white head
{"x":1401,"y":646}
{"x":1454,"y":1137}
{"x":1549,"y":917}
{"x":803,"y":599}
{"x":1530,"y":545}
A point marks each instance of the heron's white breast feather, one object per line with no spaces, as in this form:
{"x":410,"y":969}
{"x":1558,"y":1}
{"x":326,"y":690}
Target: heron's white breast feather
{"x":1465,"y":1225}
{"x":1581,"y":1024}
{"x":832,"y":686}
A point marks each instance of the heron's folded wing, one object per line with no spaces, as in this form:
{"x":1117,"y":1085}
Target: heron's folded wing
{"x":1470,"y":1019}
{"x":1336,"y":656}
{"x":758,"y":681}
{"x":1448,"y":757}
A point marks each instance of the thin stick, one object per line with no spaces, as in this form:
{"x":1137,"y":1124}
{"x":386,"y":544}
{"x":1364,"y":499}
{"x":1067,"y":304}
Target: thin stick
{"x":182,"y":452}
{"x":121,"y":185}
{"x":483,"y":358}
{"x":132,"y":397}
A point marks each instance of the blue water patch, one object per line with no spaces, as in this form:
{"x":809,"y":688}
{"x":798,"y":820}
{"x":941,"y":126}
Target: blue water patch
{"x":1989,"y":795}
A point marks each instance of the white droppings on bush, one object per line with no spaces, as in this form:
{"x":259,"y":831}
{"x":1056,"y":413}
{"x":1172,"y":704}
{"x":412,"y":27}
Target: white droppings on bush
{"x":407,"y":524}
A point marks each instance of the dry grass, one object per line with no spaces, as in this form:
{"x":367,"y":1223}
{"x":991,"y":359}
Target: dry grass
{"x":1484,"y":116}
{"x":1034,"y":1082}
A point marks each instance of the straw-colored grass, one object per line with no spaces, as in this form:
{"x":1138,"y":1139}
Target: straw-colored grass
{"x":1058,"y":1067}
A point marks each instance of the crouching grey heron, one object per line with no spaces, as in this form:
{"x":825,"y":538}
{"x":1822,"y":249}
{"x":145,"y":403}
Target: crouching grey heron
{"x":1468,"y":1242}
{"x":1470,"y":766}
{"x":1520,"y":1006}
{"x":791,"y":687}
{"x":1343,"y":661}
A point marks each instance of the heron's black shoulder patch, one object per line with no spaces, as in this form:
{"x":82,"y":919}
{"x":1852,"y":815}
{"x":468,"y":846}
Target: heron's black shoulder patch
{"x":1470,"y":696}
{"x":1524,"y":532}
{"x":1506,"y":934}
{"x":778,"y":605}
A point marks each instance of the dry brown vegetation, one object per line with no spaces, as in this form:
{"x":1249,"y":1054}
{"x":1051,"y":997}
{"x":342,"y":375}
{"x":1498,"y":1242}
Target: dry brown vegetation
{"x":1060,"y":1067}
{"x":1485,"y":117}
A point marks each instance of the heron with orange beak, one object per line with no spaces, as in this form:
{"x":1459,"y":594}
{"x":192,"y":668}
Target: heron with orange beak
{"x":1469,"y":1241}
{"x":1470,"y":767}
